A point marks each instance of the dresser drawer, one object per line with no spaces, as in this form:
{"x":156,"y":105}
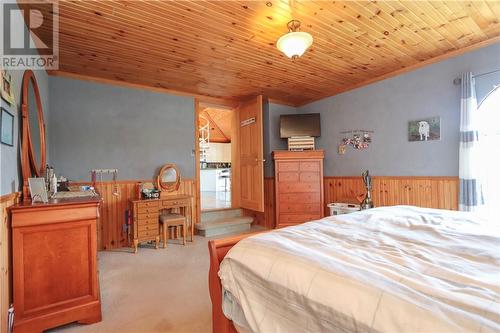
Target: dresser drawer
{"x":147,"y":216}
{"x":142,"y":210}
{"x":299,"y":207}
{"x":288,"y":176}
{"x":148,"y":227}
{"x":300,"y":197}
{"x":153,"y":221}
{"x":148,"y":234}
{"x":147,"y":204}
{"x":309,"y":177}
{"x":310,"y":166}
{"x":175,"y":203}
{"x":290,"y":219}
{"x":288,"y":166}
{"x":298,"y":187}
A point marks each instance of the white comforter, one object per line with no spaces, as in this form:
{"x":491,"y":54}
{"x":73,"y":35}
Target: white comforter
{"x":392,"y":269}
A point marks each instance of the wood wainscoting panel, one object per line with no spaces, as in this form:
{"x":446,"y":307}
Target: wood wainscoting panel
{"x":6,"y":256}
{"x":431,"y":192}
{"x":111,"y":231}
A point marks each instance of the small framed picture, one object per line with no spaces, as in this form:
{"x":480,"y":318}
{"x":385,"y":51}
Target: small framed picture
{"x":7,"y":91}
{"x":7,"y":127}
{"x":424,"y":129}
{"x":38,"y":190}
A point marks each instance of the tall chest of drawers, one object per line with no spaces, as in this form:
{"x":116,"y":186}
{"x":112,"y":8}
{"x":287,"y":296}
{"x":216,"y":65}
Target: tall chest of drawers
{"x":298,"y":186}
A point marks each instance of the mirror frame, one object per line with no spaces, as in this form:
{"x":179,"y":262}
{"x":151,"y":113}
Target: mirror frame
{"x":28,"y":162}
{"x":163,"y":186}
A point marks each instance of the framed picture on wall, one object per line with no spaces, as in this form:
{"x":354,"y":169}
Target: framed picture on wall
{"x":7,"y":91}
{"x":7,"y":127}
{"x":424,"y":129}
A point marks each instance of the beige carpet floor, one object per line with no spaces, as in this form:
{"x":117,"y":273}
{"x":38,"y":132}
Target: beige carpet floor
{"x":164,"y":290}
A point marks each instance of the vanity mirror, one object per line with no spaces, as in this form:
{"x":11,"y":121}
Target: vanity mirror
{"x":169,"y":178}
{"x":33,"y":132}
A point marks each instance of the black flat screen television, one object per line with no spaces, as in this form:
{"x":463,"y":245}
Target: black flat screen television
{"x":307,"y":124}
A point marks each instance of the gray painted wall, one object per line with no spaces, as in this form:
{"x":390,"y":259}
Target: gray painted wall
{"x":386,"y":107}
{"x":10,"y":162}
{"x":102,"y":126}
{"x":272,"y":140}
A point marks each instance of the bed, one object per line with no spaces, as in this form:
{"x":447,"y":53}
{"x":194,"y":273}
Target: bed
{"x":388,"y":269}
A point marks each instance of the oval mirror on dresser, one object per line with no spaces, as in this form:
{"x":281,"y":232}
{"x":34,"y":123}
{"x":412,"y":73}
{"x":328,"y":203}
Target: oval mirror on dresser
{"x":169,"y":178}
{"x":33,"y":158}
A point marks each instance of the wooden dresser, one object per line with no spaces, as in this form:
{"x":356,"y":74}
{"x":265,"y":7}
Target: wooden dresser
{"x":298,"y":186}
{"x":145,"y":214}
{"x":55,"y":279}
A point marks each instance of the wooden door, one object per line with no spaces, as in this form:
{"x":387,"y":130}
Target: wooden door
{"x":251,"y":154}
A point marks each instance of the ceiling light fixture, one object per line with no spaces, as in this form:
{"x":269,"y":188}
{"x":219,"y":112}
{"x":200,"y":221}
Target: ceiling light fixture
{"x":294,"y":43}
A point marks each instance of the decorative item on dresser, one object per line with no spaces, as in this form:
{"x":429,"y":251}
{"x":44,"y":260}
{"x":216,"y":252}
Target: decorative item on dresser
{"x":298,"y":186}
{"x":146,"y":213}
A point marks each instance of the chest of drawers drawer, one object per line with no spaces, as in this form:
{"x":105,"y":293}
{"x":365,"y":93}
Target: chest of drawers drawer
{"x":147,"y":234}
{"x":292,"y":219}
{"x":145,"y":221}
{"x":298,"y":207}
{"x":147,"y":216}
{"x":146,"y":210}
{"x":288,"y":176}
{"x":147,"y":227}
{"x":310,"y":166}
{"x":287,"y":166}
{"x":312,"y":197}
{"x":148,"y":204}
{"x":175,"y":203}
{"x":298,"y":187}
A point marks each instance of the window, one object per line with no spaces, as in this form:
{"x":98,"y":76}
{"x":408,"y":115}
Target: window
{"x":489,"y":111}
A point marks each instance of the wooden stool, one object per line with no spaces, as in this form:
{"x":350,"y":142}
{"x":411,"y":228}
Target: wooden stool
{"x":172,"y":220}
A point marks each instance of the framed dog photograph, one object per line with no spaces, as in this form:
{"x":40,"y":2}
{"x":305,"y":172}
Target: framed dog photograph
{"x":424,"y":129}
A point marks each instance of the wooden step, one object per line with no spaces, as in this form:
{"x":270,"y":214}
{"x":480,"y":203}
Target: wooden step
{"x":224,"y":226}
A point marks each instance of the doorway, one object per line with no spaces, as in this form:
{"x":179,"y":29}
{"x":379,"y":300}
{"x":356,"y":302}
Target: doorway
{"x":215,"y":139}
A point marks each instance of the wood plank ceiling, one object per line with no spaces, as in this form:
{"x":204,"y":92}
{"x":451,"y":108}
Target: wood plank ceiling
{"x":227,"y":48}
{"x":219,"y":121}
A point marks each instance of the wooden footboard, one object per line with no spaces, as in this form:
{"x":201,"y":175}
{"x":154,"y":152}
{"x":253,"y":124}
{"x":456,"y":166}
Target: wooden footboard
{"x":218,"y":249}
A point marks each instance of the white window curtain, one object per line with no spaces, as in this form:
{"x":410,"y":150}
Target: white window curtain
{"x":489,"y":111}
{"x":470,"y":160}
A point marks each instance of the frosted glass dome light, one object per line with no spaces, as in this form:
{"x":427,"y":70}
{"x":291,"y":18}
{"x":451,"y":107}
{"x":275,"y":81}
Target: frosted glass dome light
{"x":294,"y":43}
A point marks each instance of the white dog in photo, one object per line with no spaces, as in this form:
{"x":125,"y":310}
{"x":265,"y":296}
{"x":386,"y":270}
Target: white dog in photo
{"x":423,"y":130}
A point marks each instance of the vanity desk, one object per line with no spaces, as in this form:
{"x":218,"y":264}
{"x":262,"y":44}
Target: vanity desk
{"x":54,"y":254}
{"x":146,"y":213}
